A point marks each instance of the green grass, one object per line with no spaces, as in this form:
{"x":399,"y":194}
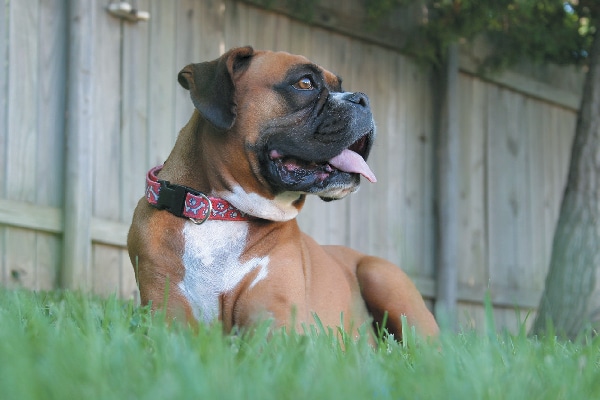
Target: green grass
{"x":73,"y":346}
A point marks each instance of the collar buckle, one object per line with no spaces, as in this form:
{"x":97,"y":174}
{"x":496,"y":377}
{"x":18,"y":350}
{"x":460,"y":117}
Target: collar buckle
{"x":172,"y":198}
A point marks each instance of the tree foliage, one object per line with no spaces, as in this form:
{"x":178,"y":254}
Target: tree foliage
{"x":554,"y":31}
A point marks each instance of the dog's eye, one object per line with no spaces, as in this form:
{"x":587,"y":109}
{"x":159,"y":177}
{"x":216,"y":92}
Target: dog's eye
{"x":304,"y":84}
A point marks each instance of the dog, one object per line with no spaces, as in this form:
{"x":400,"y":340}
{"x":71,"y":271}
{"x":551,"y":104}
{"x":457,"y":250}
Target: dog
{"x":216,"y":239}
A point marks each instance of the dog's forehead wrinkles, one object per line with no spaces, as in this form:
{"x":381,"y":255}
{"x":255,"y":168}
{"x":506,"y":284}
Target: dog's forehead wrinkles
{"x":267,"y":65}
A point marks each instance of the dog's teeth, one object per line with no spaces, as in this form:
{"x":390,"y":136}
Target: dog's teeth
{"x":291,"y":165}
{"x":275,"y":154}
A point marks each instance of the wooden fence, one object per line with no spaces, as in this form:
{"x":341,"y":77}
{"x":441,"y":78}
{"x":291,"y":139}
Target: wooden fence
{"x":88,"y":103}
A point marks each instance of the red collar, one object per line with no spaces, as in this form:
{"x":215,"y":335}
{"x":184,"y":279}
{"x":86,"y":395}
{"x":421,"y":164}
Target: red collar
{"x":185,"y":202}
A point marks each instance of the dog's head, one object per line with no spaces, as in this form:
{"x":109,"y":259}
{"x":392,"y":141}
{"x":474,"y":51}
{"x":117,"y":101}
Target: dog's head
{"x":299,"y":131}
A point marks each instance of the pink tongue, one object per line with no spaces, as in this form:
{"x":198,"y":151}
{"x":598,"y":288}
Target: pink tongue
{"x":352,"y":162}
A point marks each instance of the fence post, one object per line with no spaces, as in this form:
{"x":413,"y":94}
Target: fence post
{"x":448,"y":189}
{"x":77,"y":247}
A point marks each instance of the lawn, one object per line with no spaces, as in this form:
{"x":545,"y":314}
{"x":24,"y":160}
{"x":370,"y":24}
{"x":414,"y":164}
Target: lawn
{"x":73,"y":346}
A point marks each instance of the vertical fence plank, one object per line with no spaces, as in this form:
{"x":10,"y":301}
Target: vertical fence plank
{"x":236,"y":25}
{"x":301,"y":42}
{"x":550,"y":126}
{"x":135,"y":81}
{"x":507,"y":170}
{"x":472,"y":263}
{"x":260,"y":28}
{"x":502,"y":254}
{"x":559,"y":127}
{"x":51,"y":100}
{"x":390,"y":147}
{"x":23,"y":78}
{"x":423,"y":87}
{"x":21,"y":155}
{"x":521,"y":193}
{"x":447,"y":170}
{"x":282,"y":37}
{"x":4,"y":55}
{"x":127,"y":285}
{"x":106,"y":119}
{"x":162,"y":81}
{"x":391,"y":132}
{"x":540,"y":144}
{"x":210,"y":21}
{"x":106,"y":124}
{"x":376,"y":194}
{"x":48,"y":257}
{"x":79,"y":153}
{"x":418,"y":182}
{"x":106,"y":271}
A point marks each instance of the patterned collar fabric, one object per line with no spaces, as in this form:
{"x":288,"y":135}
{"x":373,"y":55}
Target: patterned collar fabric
{"x":185,"y":202}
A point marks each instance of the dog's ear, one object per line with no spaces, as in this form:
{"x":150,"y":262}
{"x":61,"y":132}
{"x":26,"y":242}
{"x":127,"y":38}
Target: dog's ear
{"x":211,"y":85}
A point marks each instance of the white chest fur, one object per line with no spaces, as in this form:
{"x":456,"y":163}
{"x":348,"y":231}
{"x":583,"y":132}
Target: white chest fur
{"x":212,"y":264}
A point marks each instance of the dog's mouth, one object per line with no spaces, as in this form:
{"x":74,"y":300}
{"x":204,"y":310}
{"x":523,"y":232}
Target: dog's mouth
{"x":351,"y":160}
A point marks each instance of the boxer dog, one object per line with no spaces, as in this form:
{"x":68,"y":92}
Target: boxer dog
{"x":215,"y":237}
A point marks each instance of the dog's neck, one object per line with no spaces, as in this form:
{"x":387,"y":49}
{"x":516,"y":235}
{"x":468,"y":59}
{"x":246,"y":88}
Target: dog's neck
{"x":282,"y":207}
{"x":196,"y":162}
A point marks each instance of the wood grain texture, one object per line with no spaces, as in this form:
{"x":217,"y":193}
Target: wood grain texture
{"x":51,"y":104}
{"x":473,"y":224}
{"x":20,"y":175}
{"x":21,"y":155}
{"x":106,"y":127}
{"x":448,"y":184}
{"x":135,"y":83}
{"x":106,"y":261}
{"x":75,"y":271}
{"x":162,"y":83}
{"x":50,"y":100}
{"x":4,"y":55}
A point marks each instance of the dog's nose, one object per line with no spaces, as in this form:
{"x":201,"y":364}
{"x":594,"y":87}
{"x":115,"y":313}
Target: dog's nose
{"x":359,"y":98}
